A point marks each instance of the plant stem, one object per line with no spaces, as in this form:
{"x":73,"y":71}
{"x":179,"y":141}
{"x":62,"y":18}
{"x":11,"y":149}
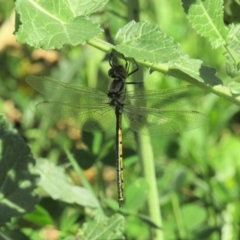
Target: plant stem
{"x":101,"y":45}
{"x":220,"y":90}
{"x":4,"y":237}
{"x":164,"y":68}
{"x":145,"y":150}
{"x":146,"y":155}
{"x":178,"y":216}
{"x":79,"y":171}
{"x":231,"y":53}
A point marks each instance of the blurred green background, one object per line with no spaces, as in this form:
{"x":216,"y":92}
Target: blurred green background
{"x":198,"y":172}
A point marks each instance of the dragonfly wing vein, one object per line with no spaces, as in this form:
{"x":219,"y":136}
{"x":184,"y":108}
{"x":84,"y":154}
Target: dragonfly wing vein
{"x":162,"y":122}
{"x":88,"y":118}
{"x":164,"y":99}
{"x":59,"y":91}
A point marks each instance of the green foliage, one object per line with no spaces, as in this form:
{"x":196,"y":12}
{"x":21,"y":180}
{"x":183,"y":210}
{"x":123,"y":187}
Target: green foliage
{"x":142,"y":41}
{"x":233,"y":54}
{"x":17,"y":182}
{"x":206,"y":17}
{"x":103,"y":228}
{"x":235,"y":87}
{"x":146,"y":42}
{"x":56,"y":22}
{"x":190,"y":184}
{"x":55,"y":184}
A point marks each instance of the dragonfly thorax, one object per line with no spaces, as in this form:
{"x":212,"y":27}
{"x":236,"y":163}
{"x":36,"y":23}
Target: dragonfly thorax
{"x":117,"y":72}
{"x":117,"y":88}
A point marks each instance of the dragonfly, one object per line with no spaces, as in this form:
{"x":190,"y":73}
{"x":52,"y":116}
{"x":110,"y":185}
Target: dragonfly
{"x":148,"y":112}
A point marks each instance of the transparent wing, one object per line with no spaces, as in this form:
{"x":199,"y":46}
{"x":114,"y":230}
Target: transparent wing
{"x":163,"y":99}
{"x":162,"y":122}
{"x":68,"y":93}
{"x":88,"y":118}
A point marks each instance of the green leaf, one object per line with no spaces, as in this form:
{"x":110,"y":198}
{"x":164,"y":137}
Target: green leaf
{"x":136,"y":194}
{"x":69,"y":220}
{"x":206,"y":17}
{"x":17,"y":180}
{"x":233,"y":53}
{"x":89,"y":6}
{"x":146,"y":42}
{"x":50,"y":24}
{"x":56,"y":184}
{"x":189,"y":213}
{"x":104,"y":228}
{"x":40,"y":217}
{"x":187,"y":68}
{"x":234,"y":87}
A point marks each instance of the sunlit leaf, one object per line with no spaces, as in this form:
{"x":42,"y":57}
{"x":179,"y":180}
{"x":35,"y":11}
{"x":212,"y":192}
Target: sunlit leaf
{"x":233,"y":53}
{"x":146,"y":42}
{"x":50,"y":24}
{"x":56,"y":184}
{"x":186,"y":67}
{"x":234,"y":87}
{"x":104,"y":228}
{"x":206,"y":17}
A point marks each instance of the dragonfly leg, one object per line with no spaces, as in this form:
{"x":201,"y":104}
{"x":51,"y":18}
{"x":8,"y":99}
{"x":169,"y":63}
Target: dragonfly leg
{"x":135,"y":63}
